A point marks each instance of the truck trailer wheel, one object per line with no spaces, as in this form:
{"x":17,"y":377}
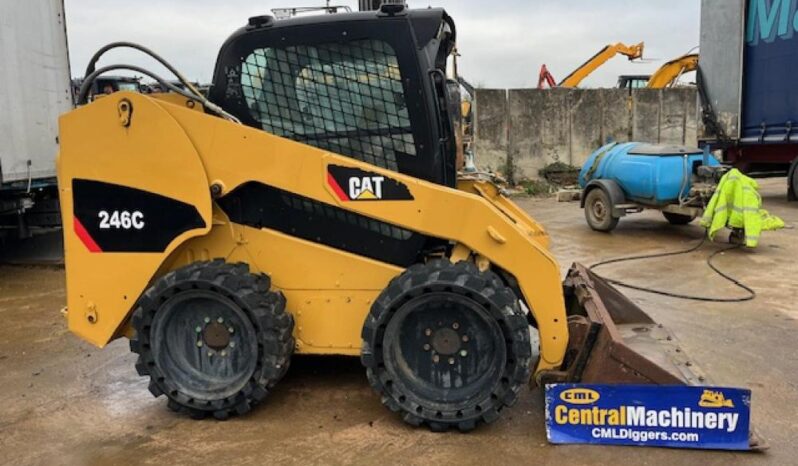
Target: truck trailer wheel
{"x":447,"y":345}
{"x":212,"y":338}
{"x":792,"y":180}
{"x":677,"y":219}
{"x":598,"y":210}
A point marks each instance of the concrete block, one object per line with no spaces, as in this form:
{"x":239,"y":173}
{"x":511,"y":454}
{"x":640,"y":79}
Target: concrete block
{"x":587,"y":119}
{"x":673,"y":116}
{"x":539,"y":129}
{"x":691,"y":117}
{"x":616,"y":122}
{"x":646,"y":115}
{"x":491,"y":118}
{"x":569,"y":195}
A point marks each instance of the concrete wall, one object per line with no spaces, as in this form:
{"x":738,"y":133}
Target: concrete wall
{"x":520,"y":131}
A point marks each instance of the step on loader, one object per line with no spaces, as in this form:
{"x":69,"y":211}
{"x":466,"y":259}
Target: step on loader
{"x":311,"y":204}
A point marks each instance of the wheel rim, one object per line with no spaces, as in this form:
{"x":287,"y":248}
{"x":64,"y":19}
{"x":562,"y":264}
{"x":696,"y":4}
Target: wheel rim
{"x":599,"y":210}
{"x":443,"y":346}
{"x":204,"y":344}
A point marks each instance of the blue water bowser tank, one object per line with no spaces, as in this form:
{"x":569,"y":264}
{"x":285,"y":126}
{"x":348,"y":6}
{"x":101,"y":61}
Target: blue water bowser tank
{"x":652,"y":174}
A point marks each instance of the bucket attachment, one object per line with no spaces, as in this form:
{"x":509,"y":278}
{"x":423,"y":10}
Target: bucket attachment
{"x":613,"y":341}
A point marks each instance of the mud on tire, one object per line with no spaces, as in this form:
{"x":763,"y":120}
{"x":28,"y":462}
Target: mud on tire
{"x":212,"y":338}
{"x":447,"y":346}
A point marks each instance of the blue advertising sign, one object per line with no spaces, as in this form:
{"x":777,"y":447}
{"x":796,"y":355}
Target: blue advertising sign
{"x":649,"y":415}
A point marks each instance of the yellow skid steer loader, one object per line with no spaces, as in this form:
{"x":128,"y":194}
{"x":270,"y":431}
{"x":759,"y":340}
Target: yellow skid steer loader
{"x":311,"y":205}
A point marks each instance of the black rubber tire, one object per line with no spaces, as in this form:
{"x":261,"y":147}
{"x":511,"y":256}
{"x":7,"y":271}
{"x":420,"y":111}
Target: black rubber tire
{"x":598,"y":211}
{"x":263,"y":317}
{"x":677,"y":219}
{"x":792,"y":181}
{"x":737,"y":236}
{"x":399,"y":383}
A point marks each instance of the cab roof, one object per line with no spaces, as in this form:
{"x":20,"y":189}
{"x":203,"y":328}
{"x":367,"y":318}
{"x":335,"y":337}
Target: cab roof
{"x":426,"y":22}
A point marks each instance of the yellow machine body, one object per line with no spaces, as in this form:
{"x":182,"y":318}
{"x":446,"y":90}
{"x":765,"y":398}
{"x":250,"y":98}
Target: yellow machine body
{"x":668,"y":73}
{"x":159,"y":144}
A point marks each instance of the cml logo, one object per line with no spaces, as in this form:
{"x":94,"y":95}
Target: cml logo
{"x":365,"y":187}
{"x":579,"y":396}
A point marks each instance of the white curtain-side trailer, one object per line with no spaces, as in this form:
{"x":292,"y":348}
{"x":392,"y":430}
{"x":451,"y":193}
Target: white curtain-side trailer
{"x":35,"y":88}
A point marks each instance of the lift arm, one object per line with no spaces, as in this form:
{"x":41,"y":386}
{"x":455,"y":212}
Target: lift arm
{"x":668,"y":73}
{"x":632,"y":52}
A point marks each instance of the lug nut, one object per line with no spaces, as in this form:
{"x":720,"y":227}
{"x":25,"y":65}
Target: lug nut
{"x":199,"y":343}
{"x":455,"y":325}
{"x":210,"y":354}
{"x":230,"y":329}
{"x":232,"y":344}
{"x":451,"y":361}
{"x":465,"y":338}
{"x":428,"y":332}
{"x":426,"y":347}
{"x":223,"y":353}
{"x":207,"y":320}
{"x":436,"y":358}
{"x":463,"y":353}
{"x":220,"y":320}
{"x":198,"y":329}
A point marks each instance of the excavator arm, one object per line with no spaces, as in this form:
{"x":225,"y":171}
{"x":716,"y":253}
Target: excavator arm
{"x":668,"y":73}
{"x":633,"y":52}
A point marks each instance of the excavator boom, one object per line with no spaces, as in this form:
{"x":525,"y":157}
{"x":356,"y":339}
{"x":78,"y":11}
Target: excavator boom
{"x":633,"y":52}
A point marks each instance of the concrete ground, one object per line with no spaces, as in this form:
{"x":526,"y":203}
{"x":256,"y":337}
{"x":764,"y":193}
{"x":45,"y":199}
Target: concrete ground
{"x":65,"y":402}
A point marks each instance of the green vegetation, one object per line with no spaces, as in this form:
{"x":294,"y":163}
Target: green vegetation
{"x":536,"y":187}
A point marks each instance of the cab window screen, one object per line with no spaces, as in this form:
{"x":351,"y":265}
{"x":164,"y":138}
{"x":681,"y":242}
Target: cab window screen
{"x":343,"y":97}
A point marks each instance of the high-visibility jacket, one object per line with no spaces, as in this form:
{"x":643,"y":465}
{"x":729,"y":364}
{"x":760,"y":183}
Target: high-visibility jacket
{"x":737,"y":204}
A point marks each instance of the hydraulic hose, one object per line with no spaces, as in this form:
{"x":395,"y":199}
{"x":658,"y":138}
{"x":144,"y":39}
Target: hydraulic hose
{"x":183,"y":80}
{"x":191,"y":93}
{"x":751,"y":294}
{"x":85,"y":88}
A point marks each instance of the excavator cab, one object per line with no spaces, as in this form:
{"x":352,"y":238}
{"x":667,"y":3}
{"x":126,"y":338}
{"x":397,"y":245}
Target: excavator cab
{"x":368,"y":86}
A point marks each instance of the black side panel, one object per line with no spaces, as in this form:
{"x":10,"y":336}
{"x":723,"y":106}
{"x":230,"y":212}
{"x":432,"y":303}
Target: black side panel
{"x":261,"y":206}
{"x":115,"y":218}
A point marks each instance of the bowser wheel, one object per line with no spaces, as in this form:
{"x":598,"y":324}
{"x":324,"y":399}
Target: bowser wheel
{"x":598,"y":211}
{"x":792,"y":182}
{"x":678,"y":219}
{"x":212,"y":338}
{"x":737,"y":237}
{"x":447,"y":346}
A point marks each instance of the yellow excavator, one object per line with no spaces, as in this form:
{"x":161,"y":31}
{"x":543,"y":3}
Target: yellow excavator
{"x":632,"y":52}
{"x":311,"y":204}
{"x":665,"y":76}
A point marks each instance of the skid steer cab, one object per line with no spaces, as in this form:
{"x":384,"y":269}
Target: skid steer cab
{"x":311,"y":205}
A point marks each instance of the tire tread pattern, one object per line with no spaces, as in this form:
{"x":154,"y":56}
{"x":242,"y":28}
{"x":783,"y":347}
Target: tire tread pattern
{"x":484,"y":287}
{"x":266,"y":309}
